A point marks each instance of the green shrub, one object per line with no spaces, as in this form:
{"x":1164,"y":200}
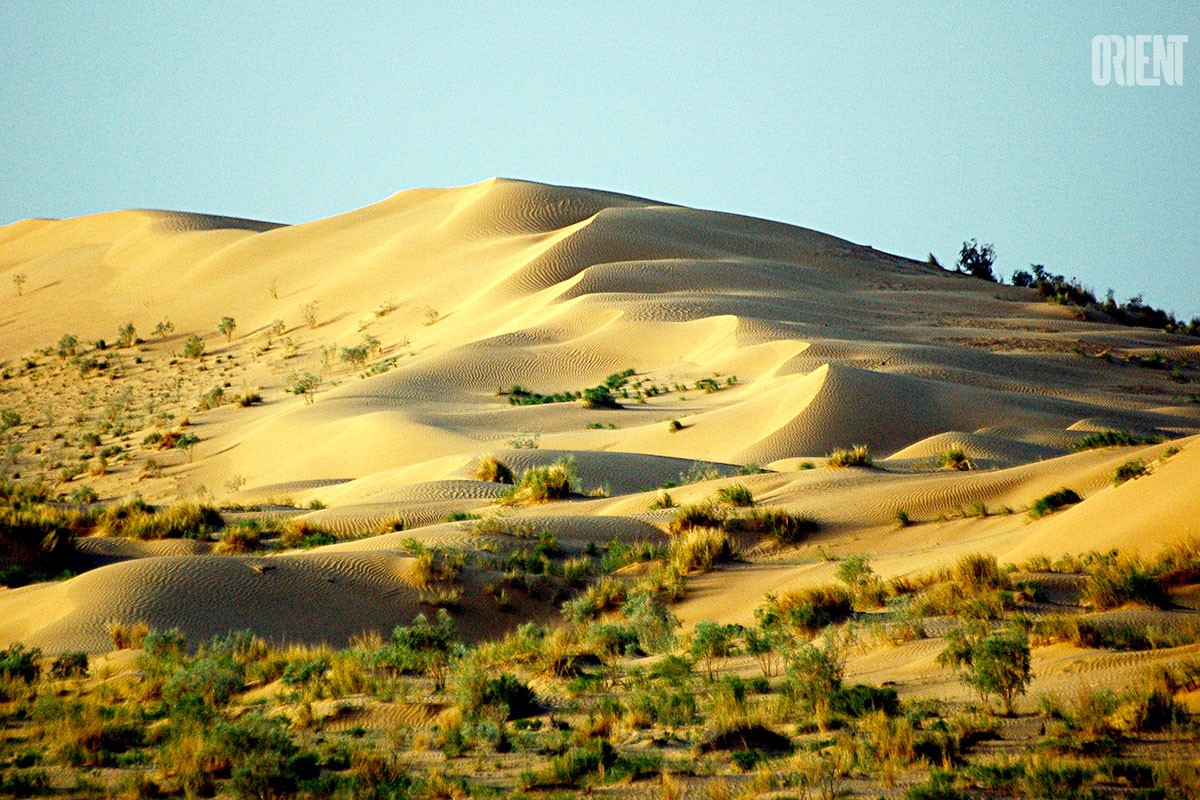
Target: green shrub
{"x":857,"y":456}
{"x":1053,"y":502}
{"x":995,"y":664}
{"x":954,"y":459}
{"x":696,"y":515}
{"x":736,"y":495}
{"x":1116,"y":582}
{"x":193,"y":347}
{"x":542,"y":484}
{"x":699,"y":549}
{"x":807,"y":610}
{"x":17,"y":663}
{"x":510,"y":693}
{"x":1110,"y":438}
{"x":1133,"y":468}
{"x":599,"y":397}
{"x":69,"y":665}
{"x":781,"y":526}
{"x":860,"y":699}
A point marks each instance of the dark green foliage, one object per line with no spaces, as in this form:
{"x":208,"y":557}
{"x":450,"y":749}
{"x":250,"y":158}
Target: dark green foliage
{"x":1111,"y":438}
{"x":69,"y":665}
{"x":1056,"y":782}
{"x":599,"y":397}
{"x":1134,"y":468}
{"x":939,"y":787}
{"x":860,"y":699}
{"x":20,"y":664}
{"x":736,"y":495}
{"x":1114,"y":582}
{"x":266,"y":762}
{"x":1053,"y":502}
{"x":509,"y":692}
{"x":977,"y":260}
{"x":995,"y":664}
{"x":305,"y":672}
{"x":24,"y":783}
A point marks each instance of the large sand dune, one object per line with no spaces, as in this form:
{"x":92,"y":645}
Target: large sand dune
{"x":811,"y":343}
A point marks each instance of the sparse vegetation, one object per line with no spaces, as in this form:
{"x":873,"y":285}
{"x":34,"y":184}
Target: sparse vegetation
{"x":857,"y":456}
{"x":1053,"y":502}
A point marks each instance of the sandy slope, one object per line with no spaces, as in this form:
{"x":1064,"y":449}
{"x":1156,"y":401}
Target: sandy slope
{"x":813,"y":342}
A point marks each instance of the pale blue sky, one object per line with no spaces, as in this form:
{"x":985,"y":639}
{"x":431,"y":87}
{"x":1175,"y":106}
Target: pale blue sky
{"x":906,"y":126}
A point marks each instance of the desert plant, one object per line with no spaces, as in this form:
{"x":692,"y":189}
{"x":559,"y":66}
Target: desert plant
{"x":126,"y":335}
{"x":737,"y":494}
{"x":991,"y":664}
{"x":304,"y":384}
{"x":492,"y":469}
{"x":1053,"y":502}
{"x":712,"y":643}
{"x":699,"y":549}
{"x":1112,"y":438}
{"x":164,"y":328}
{"x":599,"y":397}
{"x":19,"y":279}
{"x":193,"y":347}
{"x":954,"y":459}
{"x":701,"y":515}
{"x":857,"y":456}
{"x":227,"y":326}
{"x":550,"y":482}
{"x":903,"y":520}
{"x":308,"y":313}
{"x":975,"y":259}
{"x":1133,"y":468}
{"x":806,"y":610}
{"x":781,"y":526}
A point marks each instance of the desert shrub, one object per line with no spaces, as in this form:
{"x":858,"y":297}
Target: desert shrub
{"x":193,"y":346}
{"x":17,"y":663}
{"x":699,"y":549}
{"x":860,"y":699}
{"x":551,"y":482}
{"x":954,"y":459}
{"x":599,"y":397}
{"x":69,"y":665}
{"x":493,"y":470}
{"x":781,"y":526}
{"x":139,"y":521}
{"x":1053,"y":502}
{"x":857,"y":456}
{"x":995,"y":664}
{"x":1055,"y":781}
{"x":244,"y":537}
{"x":1133,"y":468}
{"x":509,"y":693}
{"x":305,"y":672}
{"x":302,"y":533}
{"x":24,"y":783}
{"x":1118,"y":581}
{"x":264,"y":760}
{"x":974,"y":587}
{"x":1110,"y":438}
{"x":712,"y":643}
{"x":812,"y":676}
{"x":696,"y":515}
{"x":903,"y":520}
{"x":248,"y":398}
{"x":806,"y":610}
{"x":198,"y":689}
{"x":736,"y":495}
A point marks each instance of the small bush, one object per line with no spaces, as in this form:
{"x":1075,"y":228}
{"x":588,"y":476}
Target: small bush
{"x":809,"y":610}
{"x":699,"y":515}
{"x":1111,"y":438}
{"x":1053,"y":502}
{"x":1133,"y":468}
{"x":17,"y":663}
{"x":781,"y":526}
{"x":542,"y":484}
{"x":493,"y":470}
{"x":69,"y":665}
{"x":857,"y":456}
{"x":1116,"y":582}
{"x":954,"y":459}
{"x":736,"y":495}
{"x":699,"y":549}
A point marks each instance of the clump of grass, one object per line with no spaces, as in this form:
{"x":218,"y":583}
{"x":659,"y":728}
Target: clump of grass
{"x":809,"y":610}
{"x":662,"y":500}
{"x":697,"y":515}
{"x":542,"y":484}
{"x":857,"y":456}
{"x":1115,"y":582}
{"x":1053,"y":502}
{"x":1133,"y":468}
{"x":137,"y":520}
{"x":243,"y":537}
{"x":903,"y":520}
{"x":736,"y":495}
{"x":781,"y":526}
{"x":1112,"y":438}
{"x":302,"y":533}
{"x":699,"y":549}
{"x":493,"y":470}
{"x":974,"y":587}
{"x":954,"y":459}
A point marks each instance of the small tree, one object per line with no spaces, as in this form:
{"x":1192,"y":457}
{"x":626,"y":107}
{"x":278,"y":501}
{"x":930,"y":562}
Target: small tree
{"x":991,"y":664}
{"x":713,"y":643}
{"x":187,"y":443}
{"x":227,"y":326}
{"x":275,"y":330}
{"x":977,"y":260}
{"x":304,"y":384}
{"x":19,"y":281}
{"x":813,"y":675}
{"x":193,"y":347}
{"x":126,"y":335}
{"x":163,"y":329}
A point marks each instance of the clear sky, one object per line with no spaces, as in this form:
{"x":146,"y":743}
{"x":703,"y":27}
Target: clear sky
{"x":906,"y":126}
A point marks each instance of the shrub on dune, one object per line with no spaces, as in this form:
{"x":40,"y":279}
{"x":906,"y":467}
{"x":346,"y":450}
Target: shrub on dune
{"x":736,"y":495}
{"x":1053,"y":502}
{"x":551,"y":482}
{"x":493,"y":470}
{"x":857,"y":456}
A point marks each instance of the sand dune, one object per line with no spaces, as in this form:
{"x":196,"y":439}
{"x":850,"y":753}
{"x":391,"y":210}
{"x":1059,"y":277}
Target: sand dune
{"x":802,"y":343}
